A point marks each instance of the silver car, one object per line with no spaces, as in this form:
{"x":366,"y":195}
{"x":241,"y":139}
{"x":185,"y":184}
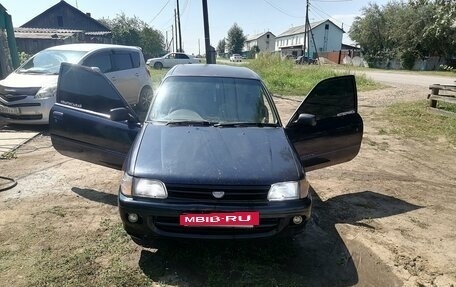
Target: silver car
{"x":27,"y":94}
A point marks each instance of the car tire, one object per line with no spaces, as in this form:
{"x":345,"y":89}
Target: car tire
{"x":158,"y":66}
{"x":145,"y":98}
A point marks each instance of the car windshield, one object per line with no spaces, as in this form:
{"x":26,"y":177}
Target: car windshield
{"x":212,"y":100}
{"x":48,"y":61}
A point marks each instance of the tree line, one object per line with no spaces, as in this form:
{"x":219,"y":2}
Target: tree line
{"x":134,"y":32}
{"x":411,"y":30}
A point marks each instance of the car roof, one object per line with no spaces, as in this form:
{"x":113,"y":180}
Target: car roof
{"x":212,"y":70}
{"x":87,"y":47}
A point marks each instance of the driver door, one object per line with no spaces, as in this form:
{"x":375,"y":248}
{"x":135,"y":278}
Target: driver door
{"x":330,"y":129}
{"x":80,"y":122}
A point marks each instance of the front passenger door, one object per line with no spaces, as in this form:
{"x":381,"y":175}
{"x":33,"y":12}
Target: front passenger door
{"x":326,"y":129}
{"x":80,"y":122}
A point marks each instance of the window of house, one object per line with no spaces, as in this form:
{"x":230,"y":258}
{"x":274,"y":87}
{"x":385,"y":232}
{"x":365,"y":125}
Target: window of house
{"x":267,"y":36}
{"x":60,"y":21}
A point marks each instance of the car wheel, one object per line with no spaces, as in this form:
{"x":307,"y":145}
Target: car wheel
{"x":158,"y":66}
{"x":145,"y":98}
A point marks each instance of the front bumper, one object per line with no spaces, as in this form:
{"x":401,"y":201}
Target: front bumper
{"x":28,"y":110}
{"x":161,"y":218}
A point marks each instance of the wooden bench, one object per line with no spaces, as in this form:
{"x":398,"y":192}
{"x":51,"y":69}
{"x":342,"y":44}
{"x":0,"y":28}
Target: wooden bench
{"x":442,"y":93}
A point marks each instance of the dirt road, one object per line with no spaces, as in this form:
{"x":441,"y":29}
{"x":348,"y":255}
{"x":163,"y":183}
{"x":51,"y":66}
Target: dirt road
{"x":384,"y":219}
{"x":397,"y":78}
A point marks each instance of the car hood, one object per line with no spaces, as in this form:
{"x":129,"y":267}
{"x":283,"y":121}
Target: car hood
{"x":16,"y":80}
{"x":214,"y":155}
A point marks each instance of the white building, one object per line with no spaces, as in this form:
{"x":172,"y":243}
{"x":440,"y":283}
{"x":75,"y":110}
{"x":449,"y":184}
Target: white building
{"x":327,"y":36}
{"x":265,"y":42}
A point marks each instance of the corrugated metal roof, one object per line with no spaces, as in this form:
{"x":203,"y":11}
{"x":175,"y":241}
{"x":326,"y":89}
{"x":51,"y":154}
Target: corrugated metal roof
{"x":301,"y":29}
{"x":98,"y":33}
{"x":43,"y":33}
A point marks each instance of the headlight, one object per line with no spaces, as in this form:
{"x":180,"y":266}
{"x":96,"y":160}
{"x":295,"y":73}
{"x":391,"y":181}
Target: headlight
{"x":288,"y":190}
{"x":126,"y":184}
{"x":150,"y":188}
{"x":46,"y":92}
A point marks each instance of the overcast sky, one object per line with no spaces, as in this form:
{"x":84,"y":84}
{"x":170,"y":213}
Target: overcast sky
{"x":253,"y":16}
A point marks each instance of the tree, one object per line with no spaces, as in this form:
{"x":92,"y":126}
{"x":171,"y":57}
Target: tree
{"x":407,"y":31}
{"x":134,"y":32}
{"x":235,"y":40}
{"x":221,"y":47}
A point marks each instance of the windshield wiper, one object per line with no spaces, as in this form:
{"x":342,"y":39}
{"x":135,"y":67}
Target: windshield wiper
{"x":243,"y":124}
{"x":189,"y":123}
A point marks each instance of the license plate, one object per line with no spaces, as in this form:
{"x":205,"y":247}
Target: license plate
{"x":8,"y":110}
{"x":221,"y":219}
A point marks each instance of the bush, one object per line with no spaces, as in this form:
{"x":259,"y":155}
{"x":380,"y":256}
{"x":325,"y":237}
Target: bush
{"x":23,"y":56}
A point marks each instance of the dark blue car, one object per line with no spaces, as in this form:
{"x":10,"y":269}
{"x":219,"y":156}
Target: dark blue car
{"x":212,"y":158}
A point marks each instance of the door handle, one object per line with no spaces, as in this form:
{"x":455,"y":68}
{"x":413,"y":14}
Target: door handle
{"x":114,"y":79}
{"x":57,"y":116}
{"x":137,"y":74}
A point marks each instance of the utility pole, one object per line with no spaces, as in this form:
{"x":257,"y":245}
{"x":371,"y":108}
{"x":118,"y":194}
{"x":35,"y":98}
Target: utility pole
{"x":210,"y":57}
{"x":166,"y":41}
{"x":172,"y":38}
{"x":199,"y":47}
{"x":306,"y":31}
{"x":175,"y":31}
{"x":179,"y":27}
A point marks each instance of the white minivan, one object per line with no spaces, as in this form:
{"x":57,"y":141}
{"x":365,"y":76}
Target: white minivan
{"x":27,"y":94}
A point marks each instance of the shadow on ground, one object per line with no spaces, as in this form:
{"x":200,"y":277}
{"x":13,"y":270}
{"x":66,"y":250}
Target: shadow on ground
{"x":97,"y":196}
{"x":320,"y":257}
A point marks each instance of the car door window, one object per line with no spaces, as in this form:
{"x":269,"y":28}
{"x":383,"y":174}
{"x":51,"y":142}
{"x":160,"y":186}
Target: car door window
{"x":122,"y":61}
{"x":99,"y":96}
{"x":100,"y":60}
{"x":182,"y":56}
{"x":331,"y":98}
{"x":136,"y":59}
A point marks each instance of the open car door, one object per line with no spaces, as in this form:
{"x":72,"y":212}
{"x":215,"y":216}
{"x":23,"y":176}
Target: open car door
{"x":326,"y":129}
{"x":90,"y":120}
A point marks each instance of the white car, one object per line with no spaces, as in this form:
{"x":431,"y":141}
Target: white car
{"x":236,"y":58}
{"x":28,"y":93}
{"x":171,"y":59}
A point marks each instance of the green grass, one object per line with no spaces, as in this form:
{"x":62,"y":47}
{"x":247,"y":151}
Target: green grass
{"x":157,"y":76}
{"x":416,"y":121}
{"x":286,"y":78}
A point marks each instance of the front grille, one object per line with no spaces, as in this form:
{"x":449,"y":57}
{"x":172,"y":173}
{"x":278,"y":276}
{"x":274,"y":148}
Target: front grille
{"x":15,"y":94}
{"x":204,"y":193}
{"x":9,"y":98}
{"x":171,"y":224}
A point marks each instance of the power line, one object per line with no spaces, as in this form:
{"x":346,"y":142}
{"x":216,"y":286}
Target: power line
{"x":159,"y":12}
{"x":281,"y":10}
{"x":330,"y":17}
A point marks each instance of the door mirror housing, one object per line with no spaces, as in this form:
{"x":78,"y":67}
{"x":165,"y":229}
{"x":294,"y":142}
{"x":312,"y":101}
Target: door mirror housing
{"x":306,"y":120}
{"x":119,"y":114}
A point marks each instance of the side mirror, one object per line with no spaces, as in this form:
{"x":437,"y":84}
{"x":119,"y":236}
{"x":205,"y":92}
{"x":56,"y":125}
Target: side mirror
{"x":306,"y":120}
{"x":119,"y":114}
{"x":96,"y":69}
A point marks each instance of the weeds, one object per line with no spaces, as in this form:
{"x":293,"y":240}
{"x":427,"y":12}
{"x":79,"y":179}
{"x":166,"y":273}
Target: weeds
{"x":286,"y":78}
{"x":414,"y":120}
